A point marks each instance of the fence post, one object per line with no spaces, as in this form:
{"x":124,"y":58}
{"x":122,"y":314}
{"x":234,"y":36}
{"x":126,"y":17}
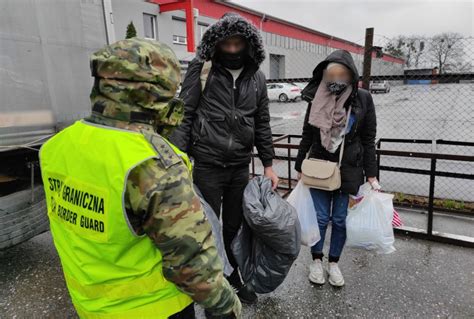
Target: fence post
{"x":379,"y":147}
{"x":289,"y":164}
{"x":369,"y":41}
{"x":431,"y":196}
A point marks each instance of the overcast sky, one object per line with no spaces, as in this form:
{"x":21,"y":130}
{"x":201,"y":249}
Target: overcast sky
{"x":349,"y":18}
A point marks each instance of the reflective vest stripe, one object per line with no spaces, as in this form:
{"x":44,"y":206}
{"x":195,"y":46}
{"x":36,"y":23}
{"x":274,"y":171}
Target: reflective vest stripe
{"x":143,"y":285}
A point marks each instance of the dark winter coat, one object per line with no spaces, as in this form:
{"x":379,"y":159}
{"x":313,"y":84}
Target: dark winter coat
{"x":359,"y":151}
{"x":222,"y":124}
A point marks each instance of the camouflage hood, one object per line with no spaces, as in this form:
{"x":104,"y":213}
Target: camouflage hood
{"x":136,"y":81}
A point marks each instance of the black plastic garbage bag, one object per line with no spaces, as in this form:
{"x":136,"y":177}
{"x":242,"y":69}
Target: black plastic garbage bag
{"x":269,"y":240}
{"x":216,"y":232}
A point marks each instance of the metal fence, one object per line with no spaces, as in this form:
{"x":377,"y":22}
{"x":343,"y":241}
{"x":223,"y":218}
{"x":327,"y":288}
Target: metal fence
{"x":423,"y":91}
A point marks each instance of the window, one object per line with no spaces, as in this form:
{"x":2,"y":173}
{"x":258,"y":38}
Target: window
{"x":149,"y":24}
{"x":202,"y":29}
{"x":179,"y":39}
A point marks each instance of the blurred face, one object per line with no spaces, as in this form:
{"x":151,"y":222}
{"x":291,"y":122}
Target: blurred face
{"x":233,"y":44}
{"x":338,"y":73}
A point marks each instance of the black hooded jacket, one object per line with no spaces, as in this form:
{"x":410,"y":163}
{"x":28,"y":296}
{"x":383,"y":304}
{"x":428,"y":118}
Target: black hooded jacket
{"x":359,"y":151}
{"x":222,"y":124}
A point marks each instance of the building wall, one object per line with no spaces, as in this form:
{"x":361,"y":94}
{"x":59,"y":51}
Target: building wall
{"x":168,"y":23}
{"x":300,"y":57}
{"x":126,"y":11}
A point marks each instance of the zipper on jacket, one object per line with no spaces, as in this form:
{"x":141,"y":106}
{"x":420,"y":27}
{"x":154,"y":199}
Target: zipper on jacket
{"x":233,"y":121}
{"x":356,"y":124}
{"x":233,"y":113}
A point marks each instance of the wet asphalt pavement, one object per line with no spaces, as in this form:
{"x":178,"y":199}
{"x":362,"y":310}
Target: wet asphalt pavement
{"x":420,"y":280}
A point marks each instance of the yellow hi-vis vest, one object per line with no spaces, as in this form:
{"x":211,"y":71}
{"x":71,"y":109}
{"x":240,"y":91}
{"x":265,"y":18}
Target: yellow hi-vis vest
{"x":109,"y":270}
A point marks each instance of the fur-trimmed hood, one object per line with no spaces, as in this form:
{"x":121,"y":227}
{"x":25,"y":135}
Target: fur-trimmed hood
{"x":231,"y":24}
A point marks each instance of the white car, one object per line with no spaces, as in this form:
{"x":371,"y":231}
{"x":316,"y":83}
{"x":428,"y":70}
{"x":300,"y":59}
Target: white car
{"x":379,"y":86}
{"x":301,"y":85}
{"x":283,"y":92}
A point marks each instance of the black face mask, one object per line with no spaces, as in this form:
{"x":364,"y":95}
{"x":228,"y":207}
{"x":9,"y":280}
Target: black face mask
{"x":337,"y":87}
{"x":233,"y":61}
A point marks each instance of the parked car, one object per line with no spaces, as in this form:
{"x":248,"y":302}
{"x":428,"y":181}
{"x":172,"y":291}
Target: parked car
{"x":283,"y":92}
{"x":379,"y":86}
{"x":301,"y":85}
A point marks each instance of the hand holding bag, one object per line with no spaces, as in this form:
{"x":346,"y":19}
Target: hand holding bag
{"x":322,"y":174}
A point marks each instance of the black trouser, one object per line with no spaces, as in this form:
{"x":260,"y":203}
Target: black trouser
{"x":224,"y":187}
{"x":186,"y":313}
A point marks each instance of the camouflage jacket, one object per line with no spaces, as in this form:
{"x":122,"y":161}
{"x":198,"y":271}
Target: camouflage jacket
{"x":135,"y":81}
{"x":160,"y":202}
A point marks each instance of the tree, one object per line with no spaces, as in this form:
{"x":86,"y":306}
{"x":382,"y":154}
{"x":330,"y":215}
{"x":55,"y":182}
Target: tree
{"x":409,"y":48}
{"x":447,"y":51}
{"x":131,"y":31}
{"x":393,"y":49}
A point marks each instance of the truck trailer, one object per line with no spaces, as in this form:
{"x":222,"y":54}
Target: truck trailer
{"x":44,"y":86}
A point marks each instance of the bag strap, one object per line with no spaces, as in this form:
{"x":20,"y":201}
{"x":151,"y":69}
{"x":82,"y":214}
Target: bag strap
{"x":206,"y":68}
{"x":348,"y":119}
{"x":343,"y":139}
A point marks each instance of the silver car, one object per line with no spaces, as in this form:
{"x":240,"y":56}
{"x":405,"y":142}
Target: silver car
{"x":379,"y":86}
{"x":283,"y":92}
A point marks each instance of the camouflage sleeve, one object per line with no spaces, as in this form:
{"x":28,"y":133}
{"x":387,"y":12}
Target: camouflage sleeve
{"x":163,"y":199}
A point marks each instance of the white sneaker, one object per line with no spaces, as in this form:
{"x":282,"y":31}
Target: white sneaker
{"x":316,"y":272}
{"x":335,"y":276}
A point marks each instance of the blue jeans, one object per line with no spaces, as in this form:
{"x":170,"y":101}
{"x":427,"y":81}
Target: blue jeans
{"x":330,"y":205}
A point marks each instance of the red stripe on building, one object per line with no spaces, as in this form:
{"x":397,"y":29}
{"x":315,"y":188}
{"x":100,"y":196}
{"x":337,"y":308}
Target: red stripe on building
{"x":216,"y":9}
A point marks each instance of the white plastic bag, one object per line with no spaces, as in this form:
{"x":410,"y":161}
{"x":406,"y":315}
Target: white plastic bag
{"x":369,"y":222}
{"x":300,"y":198}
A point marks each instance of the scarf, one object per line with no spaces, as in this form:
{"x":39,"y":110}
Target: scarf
{"x":329,"y":115}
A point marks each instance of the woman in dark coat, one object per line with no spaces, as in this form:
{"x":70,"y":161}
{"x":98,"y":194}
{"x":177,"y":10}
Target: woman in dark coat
{"x":332,"y":91}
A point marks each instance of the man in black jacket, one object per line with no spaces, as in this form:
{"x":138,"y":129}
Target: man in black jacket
{"x":226,"y":115}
